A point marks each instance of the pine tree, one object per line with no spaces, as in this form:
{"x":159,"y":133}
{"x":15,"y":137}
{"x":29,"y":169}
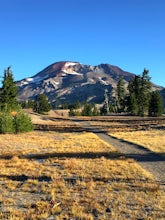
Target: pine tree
{"x":87,"y":110}
{"x":134,"y":86}
{"x":112,"y":101}
{"x":144,"y":95}
{"x":134,"y":95}
{"x":139,"y":92}
{"x":105,"y":107}
{"x":8,"y":91}
{"x":132,"y":104}
{"x":41,"y":105}
{"x":120,"y":95}
{"x":12,"y":119}
{"x":156,"y":104}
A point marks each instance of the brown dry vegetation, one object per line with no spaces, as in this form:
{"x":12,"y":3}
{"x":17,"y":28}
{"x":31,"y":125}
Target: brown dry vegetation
{"x":52,"y":175}
{"x":154,"y":140}
{"x":49,"y":143}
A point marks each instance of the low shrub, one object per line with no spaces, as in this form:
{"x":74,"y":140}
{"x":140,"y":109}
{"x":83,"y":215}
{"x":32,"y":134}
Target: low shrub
{"x":22,"y":123}
{"x":6,"y":123}
{"x":15,"y":122}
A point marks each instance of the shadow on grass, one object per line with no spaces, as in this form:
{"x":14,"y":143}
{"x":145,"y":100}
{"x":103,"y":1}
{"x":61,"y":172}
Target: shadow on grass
{"x":78,"y":155}
{"x":134,"y":184}
{"x":23,"y":178}
{"x":147,"y":157}
{"x":144,"y":155}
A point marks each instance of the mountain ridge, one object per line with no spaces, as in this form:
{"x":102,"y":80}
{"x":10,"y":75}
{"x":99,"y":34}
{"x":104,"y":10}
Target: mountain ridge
{"x":68,"y":81}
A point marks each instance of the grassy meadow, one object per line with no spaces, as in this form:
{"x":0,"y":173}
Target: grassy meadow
{"x":73,"y":175}
{"x":154,"y":140}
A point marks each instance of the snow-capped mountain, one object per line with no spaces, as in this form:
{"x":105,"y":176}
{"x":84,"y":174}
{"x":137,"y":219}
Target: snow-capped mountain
{"x":71,"y":81}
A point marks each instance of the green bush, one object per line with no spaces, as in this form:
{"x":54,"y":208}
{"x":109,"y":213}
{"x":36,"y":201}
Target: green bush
{"x":74,"y":112}
{"x":15,"y":122}
{"x":6,"y":123}
{"x":41,"y":104}
{"x":22,"y":123}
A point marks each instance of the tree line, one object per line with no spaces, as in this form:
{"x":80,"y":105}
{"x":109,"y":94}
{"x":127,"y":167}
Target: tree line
{"x":40,"y":105}
{"x":138,"y":98}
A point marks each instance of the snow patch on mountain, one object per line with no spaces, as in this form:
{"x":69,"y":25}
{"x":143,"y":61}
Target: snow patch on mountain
{"x":29,"y":79}
{"x":68,"y":68}
{"x":36,"y":80}
{"x":72,"y":72}
{"x":64,"y":74}
{"x":67,"y":64}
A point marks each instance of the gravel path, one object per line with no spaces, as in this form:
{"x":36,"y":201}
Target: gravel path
{"x":150,"y":161}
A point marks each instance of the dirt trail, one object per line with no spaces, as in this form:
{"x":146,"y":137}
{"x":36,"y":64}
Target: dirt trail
{"x":150,"y":161}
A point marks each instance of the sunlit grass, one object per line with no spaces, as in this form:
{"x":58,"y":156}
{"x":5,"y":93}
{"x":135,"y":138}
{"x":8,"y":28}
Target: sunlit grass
{"x":51,"y":142}
{"x":152,"y":139}
{"x":73,"y":187}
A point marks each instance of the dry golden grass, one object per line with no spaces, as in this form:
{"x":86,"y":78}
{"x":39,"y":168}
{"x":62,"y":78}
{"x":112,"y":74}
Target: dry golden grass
{"x":152,"y":139}
{"x":51,"y":142}
{"x":71,"y":185}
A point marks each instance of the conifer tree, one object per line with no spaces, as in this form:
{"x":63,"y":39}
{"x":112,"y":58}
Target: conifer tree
{"x":145,"y":91}
{"x":8,"y":91}
{"x":132,"y":104}
{"x":134,"y":86}
{"x":105,"y":107}
{"x":139,"y":91}
{"x":134,"y":95}
{"x":41,"y":105}
{"x":156,"y":104}
{"x":112,"y":101}
{"x":87,"y":110}
{"x":12,"y":119}
{"x":120,"y":95}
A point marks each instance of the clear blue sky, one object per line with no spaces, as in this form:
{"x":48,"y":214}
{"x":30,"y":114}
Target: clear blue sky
{"x":126,"y":33}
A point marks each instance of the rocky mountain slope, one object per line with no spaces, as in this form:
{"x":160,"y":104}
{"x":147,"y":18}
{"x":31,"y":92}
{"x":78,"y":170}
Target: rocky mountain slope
{"x":71,"y":81}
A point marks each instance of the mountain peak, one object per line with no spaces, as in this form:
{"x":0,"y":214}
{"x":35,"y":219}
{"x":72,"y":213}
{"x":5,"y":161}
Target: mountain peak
{"x":68,"y":81}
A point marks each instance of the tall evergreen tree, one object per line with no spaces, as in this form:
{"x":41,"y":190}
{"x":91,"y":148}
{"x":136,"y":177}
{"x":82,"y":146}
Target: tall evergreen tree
{"x":132,"y":104}
{"x":139,"y":92}
{"x":120,"y":95}
{"x":8,"y":91}
{"x":112,"y":101}
{"x":134,"y":86}
{"x":145,"y":91}
{"x":12,"y":119}
{"x":156,"y":104}
{"x":105,"y":107}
